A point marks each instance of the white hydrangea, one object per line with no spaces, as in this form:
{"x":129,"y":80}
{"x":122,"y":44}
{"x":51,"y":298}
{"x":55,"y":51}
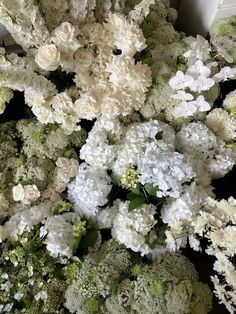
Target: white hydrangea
{"x":131,"y":227}
{"x":102,"y":143}
{"x":57,"y":231}
{"x":25,"y":221}
{"x":134,"y":141}
{"x":196,"y":137}
{"x":165,"y":169}
{"x":25,"y":194}
{"x":89,"y":190}
{"x":184,"y":208}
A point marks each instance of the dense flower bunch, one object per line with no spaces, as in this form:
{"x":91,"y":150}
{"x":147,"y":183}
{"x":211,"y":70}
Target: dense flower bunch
{"x":106,"y":174}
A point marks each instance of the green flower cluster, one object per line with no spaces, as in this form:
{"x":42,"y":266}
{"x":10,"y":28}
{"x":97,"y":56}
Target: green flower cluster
{"x":28,"y":152}
{"x":30,"y":278}
{"x":113,"y":281}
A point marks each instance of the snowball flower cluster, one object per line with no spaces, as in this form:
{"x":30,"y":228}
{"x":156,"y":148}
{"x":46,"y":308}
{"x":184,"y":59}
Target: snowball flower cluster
{"x":89,"y":190}
{"x":131,"y":227}
{"x":59,"y":236}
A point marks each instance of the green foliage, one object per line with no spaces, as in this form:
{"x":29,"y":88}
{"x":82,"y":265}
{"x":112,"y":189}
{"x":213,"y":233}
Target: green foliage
{"x":135,"y":200}
{"x":30,"y":270}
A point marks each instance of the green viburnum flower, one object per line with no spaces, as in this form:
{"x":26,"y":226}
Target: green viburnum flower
{"x":6,"y":95}
{"x":130,"y":178}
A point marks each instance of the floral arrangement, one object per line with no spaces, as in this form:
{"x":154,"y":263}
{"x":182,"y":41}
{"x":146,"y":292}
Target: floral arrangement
{"x":106,"y":174}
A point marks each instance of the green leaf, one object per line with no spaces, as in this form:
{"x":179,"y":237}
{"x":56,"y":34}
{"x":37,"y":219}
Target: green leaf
{"x":159,"y":135}
{"x":89,"y":239}
{"x":136,"y":202}
{"x":136,"y":190}
{"x":150,"y":189}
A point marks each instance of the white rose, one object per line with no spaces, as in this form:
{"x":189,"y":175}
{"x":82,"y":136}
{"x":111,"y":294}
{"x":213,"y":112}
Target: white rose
{"x":18,"y":193}
{"x":48,"y":57}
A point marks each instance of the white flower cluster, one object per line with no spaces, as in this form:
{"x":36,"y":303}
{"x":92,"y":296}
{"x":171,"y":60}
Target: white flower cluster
{"x":24,"y":22}
{"x":135,"y":139}
{"x":206,"y":151}
{"x":110,"y":85}
{"x":102,"y":143}
{"x":25,"y":194}
{"x":25,"y":221}
{"x":59,"y":236}
{"x":198,"y":78}
{"x":130,"y":228}
{"x":217,"y":222}
{"x":89,"y":190}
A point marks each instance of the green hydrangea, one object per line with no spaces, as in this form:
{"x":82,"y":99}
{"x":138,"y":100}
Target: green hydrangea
{"x":159,"y":101}
{"x":38,"y":171}
{"x":48,"y":141}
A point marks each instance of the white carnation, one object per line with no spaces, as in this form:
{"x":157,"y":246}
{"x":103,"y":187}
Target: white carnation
{"x":127,"y":36}
{"x":230,"y":101}
{"x":64,"y":36}
{"x":221,"y":124}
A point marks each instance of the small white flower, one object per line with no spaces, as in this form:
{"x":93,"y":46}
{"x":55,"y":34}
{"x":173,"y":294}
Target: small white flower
{"x":200,"y":50}
{"x":201,"y":104}
{"x":182,"y":95}
{"x":180,"y":80}
{"x":225,"y":74}
{"x":197,"y":69}
{"x":18,"y":193}
{"x":185,"y":109}
{"x":201,"y":84}
{"x":48,"y":57}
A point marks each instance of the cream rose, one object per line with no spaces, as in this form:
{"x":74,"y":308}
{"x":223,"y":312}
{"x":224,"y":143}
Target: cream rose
{"x":18,"y":193}
{"x":48,"y":57}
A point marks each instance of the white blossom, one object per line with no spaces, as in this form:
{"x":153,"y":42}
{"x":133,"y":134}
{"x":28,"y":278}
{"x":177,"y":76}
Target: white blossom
{"x":131,"y":227}
{"x":48,"y":57}
{"x":89,"y":190}
{"x":180,"y":80}
{"x":225,"y":74}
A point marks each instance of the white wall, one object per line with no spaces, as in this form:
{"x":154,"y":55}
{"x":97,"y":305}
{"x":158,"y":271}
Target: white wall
{"x":196,"y":16}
